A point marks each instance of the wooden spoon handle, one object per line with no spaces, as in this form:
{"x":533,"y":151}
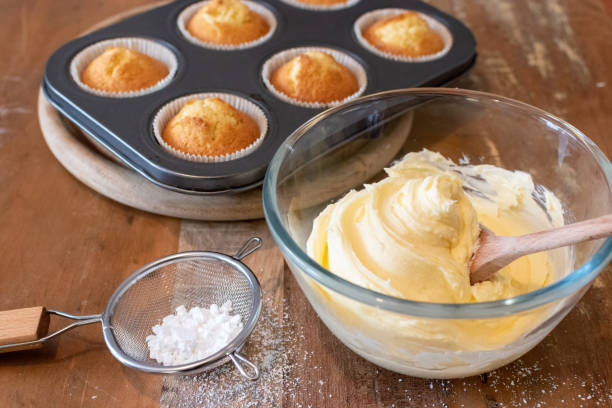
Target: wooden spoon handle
{"x":494,"y":252}
{"x":588,"y":230}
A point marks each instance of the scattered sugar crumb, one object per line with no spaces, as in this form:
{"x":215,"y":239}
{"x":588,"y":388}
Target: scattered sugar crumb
{"x":277,"y":346}
{"x":273,"y":346}
{"x":533,"y":385}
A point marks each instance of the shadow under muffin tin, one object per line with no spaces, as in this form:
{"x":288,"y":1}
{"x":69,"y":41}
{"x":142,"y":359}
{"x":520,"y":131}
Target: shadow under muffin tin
{"x":124,"y":125}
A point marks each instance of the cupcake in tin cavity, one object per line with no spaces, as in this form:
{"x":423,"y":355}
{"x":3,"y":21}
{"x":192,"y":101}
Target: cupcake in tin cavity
{"x":210,"y":127}
{"x":403,"y":35}
{"x":123,"y":67}
{"x":322,"y":5}
{"x":314,"y":77}
{"x":227,"y":24}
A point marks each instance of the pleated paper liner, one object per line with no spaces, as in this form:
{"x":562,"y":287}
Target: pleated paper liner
{"x":190,"y":11}
{"x":322,"y":7}
{"x":277,"y":60}
{"x":151,"y":48}
{"x":168,"y":111}
{"x":372,"y":17}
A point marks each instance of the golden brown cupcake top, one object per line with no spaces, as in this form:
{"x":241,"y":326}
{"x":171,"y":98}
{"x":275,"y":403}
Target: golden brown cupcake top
{"x":121,"y":69}
{"x":227,"y":22}
{"x":407,"y":34}
{"x":315,"y":76}
{"x":210,"y":127}
{"x":323,"y":2}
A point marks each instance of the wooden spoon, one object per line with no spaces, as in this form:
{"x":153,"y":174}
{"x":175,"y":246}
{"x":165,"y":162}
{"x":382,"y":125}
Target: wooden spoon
{"x":493,"y":252}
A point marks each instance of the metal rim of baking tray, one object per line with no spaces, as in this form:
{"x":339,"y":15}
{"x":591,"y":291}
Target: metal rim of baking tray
{"x":144,"y":156}
{"x":235,"y":190}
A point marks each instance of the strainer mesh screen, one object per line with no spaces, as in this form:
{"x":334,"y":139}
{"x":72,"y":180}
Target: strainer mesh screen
{"x":199,"y":282}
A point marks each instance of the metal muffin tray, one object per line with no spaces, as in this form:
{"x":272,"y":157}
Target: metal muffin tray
{"x":123,"y":126}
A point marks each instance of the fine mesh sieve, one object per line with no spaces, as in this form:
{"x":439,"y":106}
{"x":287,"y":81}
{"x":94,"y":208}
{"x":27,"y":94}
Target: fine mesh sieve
{"x":194,"y":278}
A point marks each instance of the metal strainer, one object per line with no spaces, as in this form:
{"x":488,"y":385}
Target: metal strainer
{"x":194,"y":278}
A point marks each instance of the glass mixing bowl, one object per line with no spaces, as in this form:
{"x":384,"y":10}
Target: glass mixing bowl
{"x":349,"y":145}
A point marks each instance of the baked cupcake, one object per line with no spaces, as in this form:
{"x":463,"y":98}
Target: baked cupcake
{"x":120,"y":69}
{"x":314,"y":76}
{"x":227,"y":22}
{"x":406,"y":34}
{"x":210,"y":127}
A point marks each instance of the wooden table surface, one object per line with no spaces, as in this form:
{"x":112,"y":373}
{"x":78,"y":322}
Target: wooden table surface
{"x":64,"y":246}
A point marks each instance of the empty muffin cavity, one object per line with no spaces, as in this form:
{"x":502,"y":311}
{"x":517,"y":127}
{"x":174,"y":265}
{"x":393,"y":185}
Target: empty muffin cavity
{"x":145,"y":46}
{"x":172,"y":108}
{"x":321,"y":6}
{"x":187,"y":14}
{"x":367,"y":19}
{"x":279,"y":59}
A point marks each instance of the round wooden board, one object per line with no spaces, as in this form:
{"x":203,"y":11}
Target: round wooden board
{"x":124,"y":185}
{"x":98,"y":169}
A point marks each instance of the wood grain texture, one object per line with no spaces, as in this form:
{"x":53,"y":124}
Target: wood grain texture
{"x":62,"y":244}
{"x":117,"y":182}
{"x":107,"y":176}
{"x":73,"y":246}
{"x":21,"y":325}
{"x":544,"y":53}
{"x":493,"y":252}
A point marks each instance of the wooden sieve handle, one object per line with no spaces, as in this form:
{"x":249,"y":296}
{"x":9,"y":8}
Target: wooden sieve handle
{"x":22,"y":325}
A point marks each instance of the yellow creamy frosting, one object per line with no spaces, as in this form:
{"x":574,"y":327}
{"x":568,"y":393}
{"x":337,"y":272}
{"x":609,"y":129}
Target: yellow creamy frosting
{"x":411,"y":235}
{"x":406,"y":237}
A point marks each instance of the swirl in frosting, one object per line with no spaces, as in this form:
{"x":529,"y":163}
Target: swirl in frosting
{"x":412,"y":234}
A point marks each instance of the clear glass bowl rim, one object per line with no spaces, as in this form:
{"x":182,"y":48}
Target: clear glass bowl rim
{"x":479,"y":310}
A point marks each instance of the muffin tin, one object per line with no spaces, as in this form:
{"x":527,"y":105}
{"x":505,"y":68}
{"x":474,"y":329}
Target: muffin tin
{"x":124,"y":125}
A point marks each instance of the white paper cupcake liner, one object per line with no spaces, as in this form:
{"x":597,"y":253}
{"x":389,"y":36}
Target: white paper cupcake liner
{"x":190,"y":11}
{"x":372,"y":17}
{"x":148,"y":47}
{"x":169,"y":110}
{"x":321,"y":7}
{"x":277,"y":60}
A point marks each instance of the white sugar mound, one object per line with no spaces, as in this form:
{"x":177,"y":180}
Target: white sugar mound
{"x":194,"y":334}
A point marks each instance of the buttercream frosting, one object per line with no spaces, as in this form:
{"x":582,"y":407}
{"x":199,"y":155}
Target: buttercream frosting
{"x":411,"y":236}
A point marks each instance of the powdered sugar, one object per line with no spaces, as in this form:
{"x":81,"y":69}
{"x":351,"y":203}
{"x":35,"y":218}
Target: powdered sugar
{"x":292,"y":375}
{"x":273,"y":346}
{"x":194,"y":334}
